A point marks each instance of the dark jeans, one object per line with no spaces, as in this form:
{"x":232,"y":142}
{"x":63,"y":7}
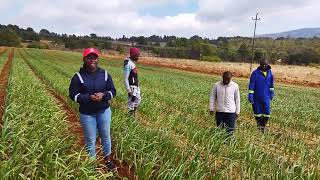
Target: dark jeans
{"x":227,"y":121}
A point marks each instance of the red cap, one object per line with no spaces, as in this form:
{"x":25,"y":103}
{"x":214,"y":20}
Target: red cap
{"x":88,"y":51}
{"x":134,"y":51}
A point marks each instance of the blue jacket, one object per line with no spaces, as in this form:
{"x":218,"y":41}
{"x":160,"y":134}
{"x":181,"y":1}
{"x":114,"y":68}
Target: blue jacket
{"x":84,"y":84}
{"x":260,"y":86}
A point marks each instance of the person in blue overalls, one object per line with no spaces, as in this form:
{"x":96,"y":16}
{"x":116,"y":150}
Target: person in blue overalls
{"x":261,"y":92}
{"x":92,"y":88}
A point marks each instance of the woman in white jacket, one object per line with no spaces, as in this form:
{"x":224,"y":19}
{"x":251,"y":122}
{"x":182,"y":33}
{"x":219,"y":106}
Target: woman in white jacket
{"x":225,"y":102}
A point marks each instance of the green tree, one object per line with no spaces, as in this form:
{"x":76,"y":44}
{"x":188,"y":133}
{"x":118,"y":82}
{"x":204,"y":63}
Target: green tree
{"x":258,"y":55}
{"x":9,"y":38}
{"x":142,"y":40}
{"x":243,"y":51}
{"x":106,"y":45}
{"x":207,"y":49}
{"x":93,"y":36}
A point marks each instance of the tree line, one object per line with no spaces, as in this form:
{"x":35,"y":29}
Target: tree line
{"x":300,"y":51}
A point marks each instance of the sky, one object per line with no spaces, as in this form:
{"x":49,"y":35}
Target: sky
{"x":183,"y":18}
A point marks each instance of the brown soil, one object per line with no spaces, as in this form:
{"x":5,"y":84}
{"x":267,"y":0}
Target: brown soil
{"x":123,"y":170}
{"x":293,"y":75}
{"x":4,"y":78}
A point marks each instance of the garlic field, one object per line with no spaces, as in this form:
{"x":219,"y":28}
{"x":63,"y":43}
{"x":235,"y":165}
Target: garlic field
{"x":172,"y":137}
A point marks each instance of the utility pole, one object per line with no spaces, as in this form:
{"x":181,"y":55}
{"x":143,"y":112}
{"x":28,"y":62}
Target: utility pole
{"x":253,"y":38}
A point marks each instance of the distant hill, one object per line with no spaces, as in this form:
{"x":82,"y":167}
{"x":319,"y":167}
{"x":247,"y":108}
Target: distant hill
{"x":299,"y":33}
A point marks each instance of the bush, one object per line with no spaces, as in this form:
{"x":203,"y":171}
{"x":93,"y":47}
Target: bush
{"x":120,"y":49}
{"x":37,"y":45}
{"x":44,"y":46}
{"x":210,"y":58}
{"x":155,"y":50}
{"x":166,"y":52}
{"x":304,"y":57}
{"x":314,"y":65}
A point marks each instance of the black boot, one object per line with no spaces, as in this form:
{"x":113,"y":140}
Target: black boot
{"x":260,"y":124}
{"x":265,"y":121}
{"x":132,"y":113}
{"x":109,"y":164}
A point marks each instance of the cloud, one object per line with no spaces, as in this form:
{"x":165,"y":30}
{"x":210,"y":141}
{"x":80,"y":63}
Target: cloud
{"x":276,"y":15}
{"x":4,"y":4}
{"x":212,"y":18}
{"x":217,"y":10}
{"x":104,"y":17}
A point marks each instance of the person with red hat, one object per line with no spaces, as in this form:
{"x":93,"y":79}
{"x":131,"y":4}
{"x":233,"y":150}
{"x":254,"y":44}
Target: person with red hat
{"x":131,"y":81}
{"x":92,"y":88}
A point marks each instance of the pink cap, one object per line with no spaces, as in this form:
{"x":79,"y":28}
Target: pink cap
{"x":88,"y":51}
{"x":134,"y":51}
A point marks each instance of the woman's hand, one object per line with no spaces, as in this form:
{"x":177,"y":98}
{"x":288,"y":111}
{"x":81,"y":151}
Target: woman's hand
{"x":93,"y":98}
{"x":97,"y":97}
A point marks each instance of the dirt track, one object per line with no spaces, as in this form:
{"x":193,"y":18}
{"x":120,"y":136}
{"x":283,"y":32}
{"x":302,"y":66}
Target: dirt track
{"x":4,"y":78}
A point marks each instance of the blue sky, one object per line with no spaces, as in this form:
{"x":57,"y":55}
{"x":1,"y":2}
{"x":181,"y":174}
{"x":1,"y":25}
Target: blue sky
{"x":11,"y":9}
{"x":172,"y":8}
{"x":184,"y":18}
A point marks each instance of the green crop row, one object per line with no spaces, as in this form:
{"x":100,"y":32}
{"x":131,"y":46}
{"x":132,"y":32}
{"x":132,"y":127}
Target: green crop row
{"x":36,"y":142}
{"x":174,"y":110}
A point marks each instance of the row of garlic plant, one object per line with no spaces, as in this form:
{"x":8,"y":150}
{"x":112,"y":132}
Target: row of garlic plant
{"x":286,"y":140}
{"x":141,"y":146}
{"x":282,"y":111}
{"x":188,"y":115}
{"x":35,"y":139}
{"x":287,"y":145}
